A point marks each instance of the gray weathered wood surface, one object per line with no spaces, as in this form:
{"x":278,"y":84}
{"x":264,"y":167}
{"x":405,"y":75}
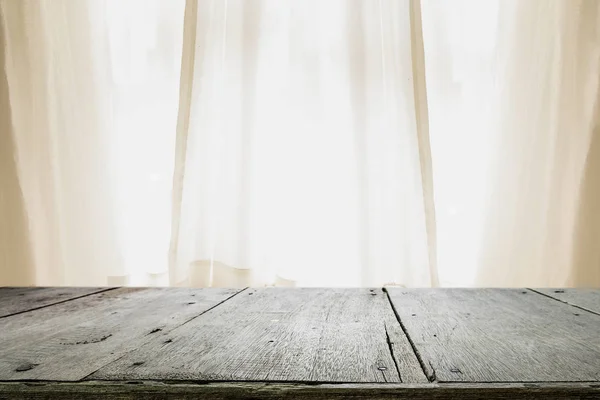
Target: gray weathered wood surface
{"x":499,"y":335}
{"x":587,"y":299}
{"x":174,"y":343}
{"x":71,"y":340}
{"x":275,"y":334}
{"x":14,"y":300}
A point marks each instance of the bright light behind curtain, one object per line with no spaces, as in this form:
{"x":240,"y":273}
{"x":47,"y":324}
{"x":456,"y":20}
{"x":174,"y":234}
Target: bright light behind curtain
{"x":145,"y":42}
{"x":286,"y":142}
{"x":55,"y":117}
{"x":88,"y":117}
{"x":513,"y":106}
{"x":299,"y":159}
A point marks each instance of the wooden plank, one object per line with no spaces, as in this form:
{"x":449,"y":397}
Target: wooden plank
{"x":71,"y":340}
{"x":15,"y":300}
{"x":255,"y":391}
{"x":499,"y":335}
{"x":586,"y":299}
{"x":276,"y":334}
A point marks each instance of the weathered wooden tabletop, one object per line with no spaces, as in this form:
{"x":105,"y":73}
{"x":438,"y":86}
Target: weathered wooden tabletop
{"x":97,"y":343}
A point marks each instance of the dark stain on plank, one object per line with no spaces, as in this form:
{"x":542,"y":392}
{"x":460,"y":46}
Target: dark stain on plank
{"x":26,"y":367}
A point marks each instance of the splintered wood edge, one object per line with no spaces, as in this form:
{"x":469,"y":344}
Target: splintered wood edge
{"x":151,"y":390}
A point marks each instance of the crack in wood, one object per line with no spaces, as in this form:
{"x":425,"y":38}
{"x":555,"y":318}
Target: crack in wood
{"x":433,"y":377}
{"x":430,"y":377}
{"x":98,"y":340}
{"x":391,"y":347}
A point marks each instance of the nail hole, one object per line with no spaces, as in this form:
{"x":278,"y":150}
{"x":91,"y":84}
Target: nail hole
{"x":559,"y":291}
{"x":137,"y":363}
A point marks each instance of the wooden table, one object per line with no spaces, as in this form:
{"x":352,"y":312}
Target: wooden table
{"x":175,"y":343}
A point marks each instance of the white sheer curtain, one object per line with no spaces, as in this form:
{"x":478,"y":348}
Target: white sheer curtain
{"x":286,"y":142}
{"x":299,"y":156}
{"x":54,"y":128}
{"x":513,"y":90}
{"x":89,"y":108}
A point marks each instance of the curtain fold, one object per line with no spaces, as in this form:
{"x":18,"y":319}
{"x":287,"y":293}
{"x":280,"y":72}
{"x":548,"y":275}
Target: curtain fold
{"x":422,"y":121}
{"x":15,"y":245}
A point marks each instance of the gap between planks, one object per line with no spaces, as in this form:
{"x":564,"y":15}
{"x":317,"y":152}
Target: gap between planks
{"x":59,"y":302}
{"x":430,"y":376}
{"x":398,"y":343}
{"x":563,"y":301}
{"x":179,"y":326}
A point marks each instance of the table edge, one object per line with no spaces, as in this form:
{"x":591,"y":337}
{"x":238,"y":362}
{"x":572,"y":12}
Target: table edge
{"x":149,"y":390}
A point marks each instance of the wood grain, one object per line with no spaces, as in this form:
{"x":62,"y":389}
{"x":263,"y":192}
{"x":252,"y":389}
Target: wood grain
{"x":499,"y":335}
{"x":586,"y":299}
{"x":274,"y":334}
{"x":254,"y":391}
{"x":168,"y":343}
{"x":71,"y":340}
{"x":15,"y":300}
